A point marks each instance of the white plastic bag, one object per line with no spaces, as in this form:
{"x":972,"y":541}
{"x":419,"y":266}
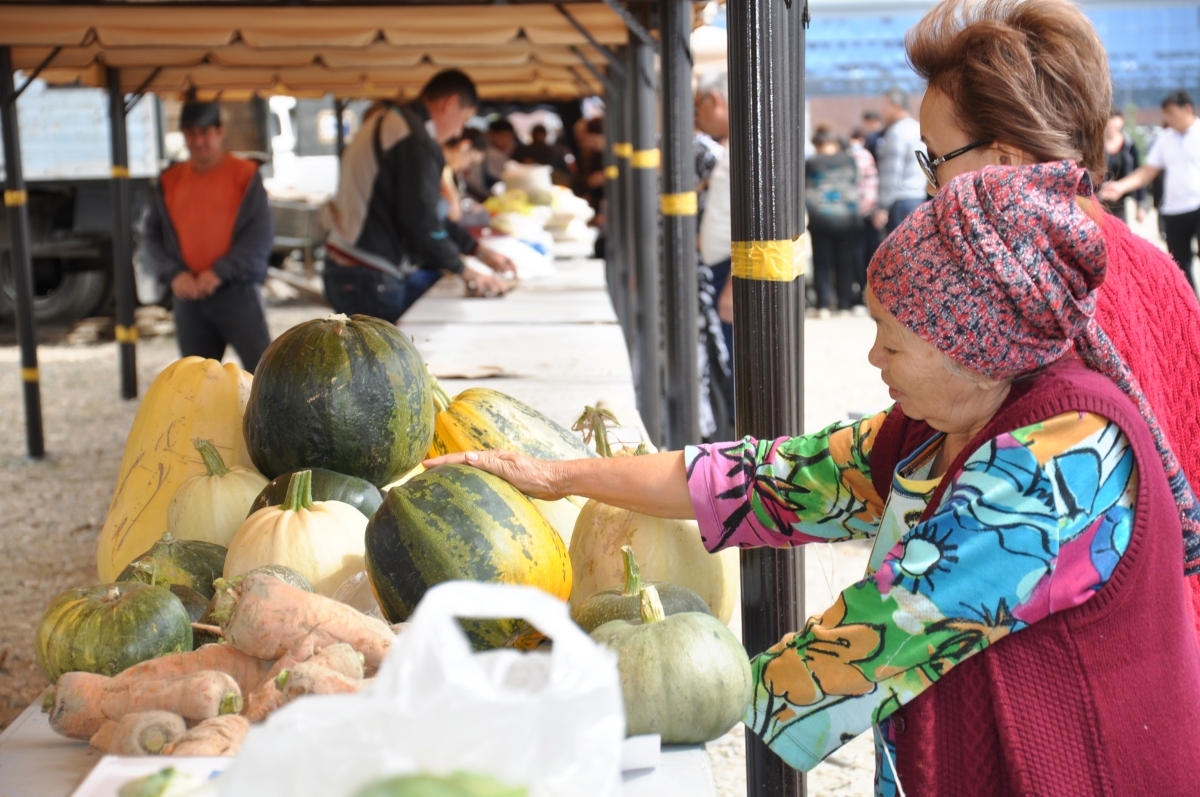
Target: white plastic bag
{"x":551,"y":722}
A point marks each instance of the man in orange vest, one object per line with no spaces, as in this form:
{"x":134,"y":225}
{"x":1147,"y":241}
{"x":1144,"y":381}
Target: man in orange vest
{"x":208,"y":234}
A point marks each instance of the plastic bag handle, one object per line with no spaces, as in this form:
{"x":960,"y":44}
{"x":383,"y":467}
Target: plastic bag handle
{"x":444,"y":604}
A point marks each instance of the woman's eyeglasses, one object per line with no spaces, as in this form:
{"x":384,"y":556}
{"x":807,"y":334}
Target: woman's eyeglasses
{"x":929,"y":167}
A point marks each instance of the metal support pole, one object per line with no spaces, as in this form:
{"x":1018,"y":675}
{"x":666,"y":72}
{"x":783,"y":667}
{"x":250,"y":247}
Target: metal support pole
{"x":644,"y":162}
{"x":339,"y":109}
{"x":122,"y":239}
{"x":680,"y":287}
{"x":623,"y":149}
{"x":764,"y":72}
{"x":614,"y":242}
{"x":15,"y":198}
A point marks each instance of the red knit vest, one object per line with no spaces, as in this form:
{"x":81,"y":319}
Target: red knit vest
{"x":1101,"y":699}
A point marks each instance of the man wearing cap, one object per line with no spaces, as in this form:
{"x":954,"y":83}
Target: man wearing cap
{"x":208,"y":234}
{"x":387,"y":244}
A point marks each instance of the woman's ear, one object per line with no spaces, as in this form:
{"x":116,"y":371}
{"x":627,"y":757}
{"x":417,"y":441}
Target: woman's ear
{"x":1006,"y":155}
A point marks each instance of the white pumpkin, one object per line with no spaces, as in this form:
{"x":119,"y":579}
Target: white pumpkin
{"x":212,"y":506}
{"x":666,"y":550}
{"x":324,"y":540}
{"x":561,"y":514}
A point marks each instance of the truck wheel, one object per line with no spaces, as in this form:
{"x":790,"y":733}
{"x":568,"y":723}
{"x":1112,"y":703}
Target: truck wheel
{"x":58,"y":295}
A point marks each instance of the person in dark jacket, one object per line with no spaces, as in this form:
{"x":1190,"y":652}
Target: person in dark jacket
{"x":387,"y":244}
{"x":831,"y":194}
{"x":208,"y":234}
{"x":1123,"y":159}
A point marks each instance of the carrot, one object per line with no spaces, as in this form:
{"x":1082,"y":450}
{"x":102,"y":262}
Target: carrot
{"x":140,"y":733}
{"x":340,"y":658}
{"x":271,"y":619}
{"x":82,"y":702}
{"x":309,"y":678}
{"x":248,"y":671}
{"x":219,"y":736}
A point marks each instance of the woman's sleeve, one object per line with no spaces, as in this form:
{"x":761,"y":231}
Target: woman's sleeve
{"x":1034,"y":524}
{"x":785,"y":492}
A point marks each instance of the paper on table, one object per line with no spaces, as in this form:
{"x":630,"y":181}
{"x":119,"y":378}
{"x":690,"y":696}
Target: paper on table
{"x":112,"y":772}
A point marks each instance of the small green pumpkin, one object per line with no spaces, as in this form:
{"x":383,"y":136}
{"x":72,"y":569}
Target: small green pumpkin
{"x":107,"y":628}
{"x":625,"y":604}
{"x":190,"y":563}
{"x":326,"y":486}
{"x":686,"y":677}
{"x":460,"y":784}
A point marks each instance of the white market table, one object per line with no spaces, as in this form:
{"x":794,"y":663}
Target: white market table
{"x":554,"y":343}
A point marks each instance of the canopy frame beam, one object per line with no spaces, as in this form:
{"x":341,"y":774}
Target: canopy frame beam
{"x":613,"y":59}
{"x":636,"y":28}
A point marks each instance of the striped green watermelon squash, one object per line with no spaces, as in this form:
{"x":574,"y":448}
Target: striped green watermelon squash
{"x":350,"y":395}
{"x":454,"y":523}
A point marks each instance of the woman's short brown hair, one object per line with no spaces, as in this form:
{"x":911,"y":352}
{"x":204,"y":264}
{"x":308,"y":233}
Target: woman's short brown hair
{"x":1031,"y":74}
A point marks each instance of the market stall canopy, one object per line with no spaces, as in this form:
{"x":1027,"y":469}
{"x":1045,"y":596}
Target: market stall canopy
{"x":350,"y":51}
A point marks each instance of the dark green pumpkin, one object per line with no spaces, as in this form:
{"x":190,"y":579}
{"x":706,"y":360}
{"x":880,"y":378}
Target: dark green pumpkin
{"x":326,"y":486}
{"x":189,"y":563}
{"x":625,"y":604}
{"x":350,"y":395}
{"x":460,"y":523}
{"x":107,"y":628}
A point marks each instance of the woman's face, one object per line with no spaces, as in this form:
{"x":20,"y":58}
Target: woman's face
{"x":941,"y":135}
{"x":919,"y":381}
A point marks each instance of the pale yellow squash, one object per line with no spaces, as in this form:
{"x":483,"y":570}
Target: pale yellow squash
{"x":212,"y":506}
{"x":561,"y":514}
{"x":193,"y":397}
{"x":324,"y":540}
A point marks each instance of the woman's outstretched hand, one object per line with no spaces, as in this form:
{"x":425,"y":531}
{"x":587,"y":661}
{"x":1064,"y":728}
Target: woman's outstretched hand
{"x":537,"y":478}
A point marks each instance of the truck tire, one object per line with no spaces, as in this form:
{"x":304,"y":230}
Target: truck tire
{"x":60,"y":295}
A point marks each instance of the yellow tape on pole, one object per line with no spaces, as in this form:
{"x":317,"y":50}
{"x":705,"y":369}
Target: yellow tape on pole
{"x":29,"y":374}
{"x":612,"y":172}
{"x":623,"y":150}
{"x":14,"y":199}
{"x":645,"y":159}
{"x":120,"y":172}
{"x":126,"y":334}
{"x":680,"y":204}
{"x":772,"y":261}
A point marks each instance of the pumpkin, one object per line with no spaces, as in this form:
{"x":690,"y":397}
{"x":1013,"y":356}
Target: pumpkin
{"x":193,"y":397}
{"x":350,"y":395}
{"x":322,"y":540}
{"x":625,"y":603}
{"x":193,"y":602}
{"x":105,"y":629}
{"x":480,"y":419}
{"x":211,"y":506}
{"x":686,"y":677}
{"x":459,"y":784}
{"x":326,"y":486}
{"x":191,"y":563}
{"x":666,"y":550}
{"x":456,"y":522}
{"x":561,"y":514}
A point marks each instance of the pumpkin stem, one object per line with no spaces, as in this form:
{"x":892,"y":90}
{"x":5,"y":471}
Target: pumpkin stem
{"x":641,"y":450}
{"x":593,"y":424}
{"x":113,"y":593}
{"x":633,"y":575}
{"x":651,"y":606}
{"x":299,"y":492}
{"x":441,"y":399}
{"x":212,"y":457}
{"x":150,"y":568}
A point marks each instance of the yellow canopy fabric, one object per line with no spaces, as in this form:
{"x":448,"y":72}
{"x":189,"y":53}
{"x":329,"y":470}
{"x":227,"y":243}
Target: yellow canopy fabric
{"x":351,"y":51}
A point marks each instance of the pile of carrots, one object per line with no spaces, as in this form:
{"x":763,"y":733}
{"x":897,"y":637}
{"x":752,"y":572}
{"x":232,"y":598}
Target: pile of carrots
{"x":280,"y":643}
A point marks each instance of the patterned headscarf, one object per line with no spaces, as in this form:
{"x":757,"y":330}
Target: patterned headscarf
{"x":999,"y":272}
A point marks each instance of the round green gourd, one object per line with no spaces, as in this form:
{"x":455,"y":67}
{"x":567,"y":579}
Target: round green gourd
{"x":189,"y":563}
{"x":107,"y":628}
{"x":454,"y":523}
{"x":460,"y":784}
{"x":686,"y":677}
{"x":625,"y":604}
{"x":350,"y":395}
{"x":326,"y":486}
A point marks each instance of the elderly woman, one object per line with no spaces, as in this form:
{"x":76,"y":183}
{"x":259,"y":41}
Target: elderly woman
{"x":1022,"y":627}
{"x":1015,"y":82}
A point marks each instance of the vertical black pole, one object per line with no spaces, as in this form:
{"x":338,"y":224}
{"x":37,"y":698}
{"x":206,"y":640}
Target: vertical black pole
{"x":645,"y":161}
{"x":122,"y":240}
{"x":679,"y":225}
{"x":15,"y":198}
{"x":614,"y":242}
{"x":768,"y":309}
{"x":339,"y":108}
{"x":623,"y":149}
